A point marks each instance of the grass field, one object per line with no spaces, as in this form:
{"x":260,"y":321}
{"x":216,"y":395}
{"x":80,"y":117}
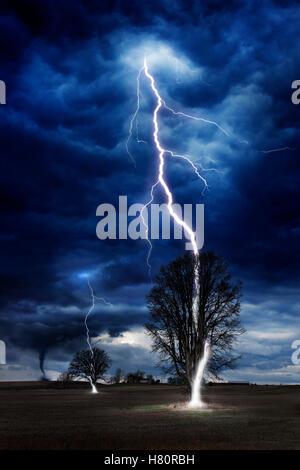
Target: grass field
{"x":34,"y":416}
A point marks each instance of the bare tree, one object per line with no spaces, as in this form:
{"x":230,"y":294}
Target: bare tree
{"x":90,"y":365}
{"x":176,"y":336}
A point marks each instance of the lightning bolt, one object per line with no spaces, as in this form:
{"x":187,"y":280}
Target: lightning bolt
{"x":195,"y":118}
{"x":161,"y":180}
{"x":196,"y":401}
{"x":134,"y":119}
{"x":279,"y":149}
{"x":88,"y":338}
{"x":162,"y":152}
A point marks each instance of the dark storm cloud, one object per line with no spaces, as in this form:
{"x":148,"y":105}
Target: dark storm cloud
{"x":70,"y":69}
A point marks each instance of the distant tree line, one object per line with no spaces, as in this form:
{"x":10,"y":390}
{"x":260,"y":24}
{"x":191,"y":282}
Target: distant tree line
{"x":92,"y":366}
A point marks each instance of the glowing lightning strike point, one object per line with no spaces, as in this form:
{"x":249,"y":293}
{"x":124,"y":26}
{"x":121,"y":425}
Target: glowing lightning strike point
{"x":196,"y":389}
{"x":88,"y":339}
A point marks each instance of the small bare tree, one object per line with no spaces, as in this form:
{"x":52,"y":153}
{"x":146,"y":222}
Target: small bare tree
{"x":176,"y":335}
{"x":89,"y":365}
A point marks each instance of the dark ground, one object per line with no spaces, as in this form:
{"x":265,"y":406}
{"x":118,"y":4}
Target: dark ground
{"x":34,"y":416}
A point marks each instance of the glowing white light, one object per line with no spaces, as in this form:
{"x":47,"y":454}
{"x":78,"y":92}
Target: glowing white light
{"x":88,"y":339}
{"x":196,"y":401}
{"x":94,"y":388}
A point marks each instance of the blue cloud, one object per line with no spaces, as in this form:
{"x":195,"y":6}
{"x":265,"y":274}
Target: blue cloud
{"x":71,"y":81}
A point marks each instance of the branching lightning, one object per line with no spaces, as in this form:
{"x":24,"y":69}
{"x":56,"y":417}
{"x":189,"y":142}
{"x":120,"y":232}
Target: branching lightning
{"x":279,"y":149}
{"x":134,"y":119}
{"x":195,"y":118}
{"x":88,"y":338}
{"x":162,"y":152}
{"x":161,"y":180}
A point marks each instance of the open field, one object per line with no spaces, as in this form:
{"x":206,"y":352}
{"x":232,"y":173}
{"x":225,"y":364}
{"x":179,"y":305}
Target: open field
{"x":34,"y":416}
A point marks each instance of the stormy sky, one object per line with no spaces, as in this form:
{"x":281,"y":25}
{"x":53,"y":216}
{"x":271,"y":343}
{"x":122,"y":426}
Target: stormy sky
{"x":70,"y":70}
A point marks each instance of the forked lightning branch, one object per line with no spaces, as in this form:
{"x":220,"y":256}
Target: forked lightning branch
{"x":152,"y":222}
